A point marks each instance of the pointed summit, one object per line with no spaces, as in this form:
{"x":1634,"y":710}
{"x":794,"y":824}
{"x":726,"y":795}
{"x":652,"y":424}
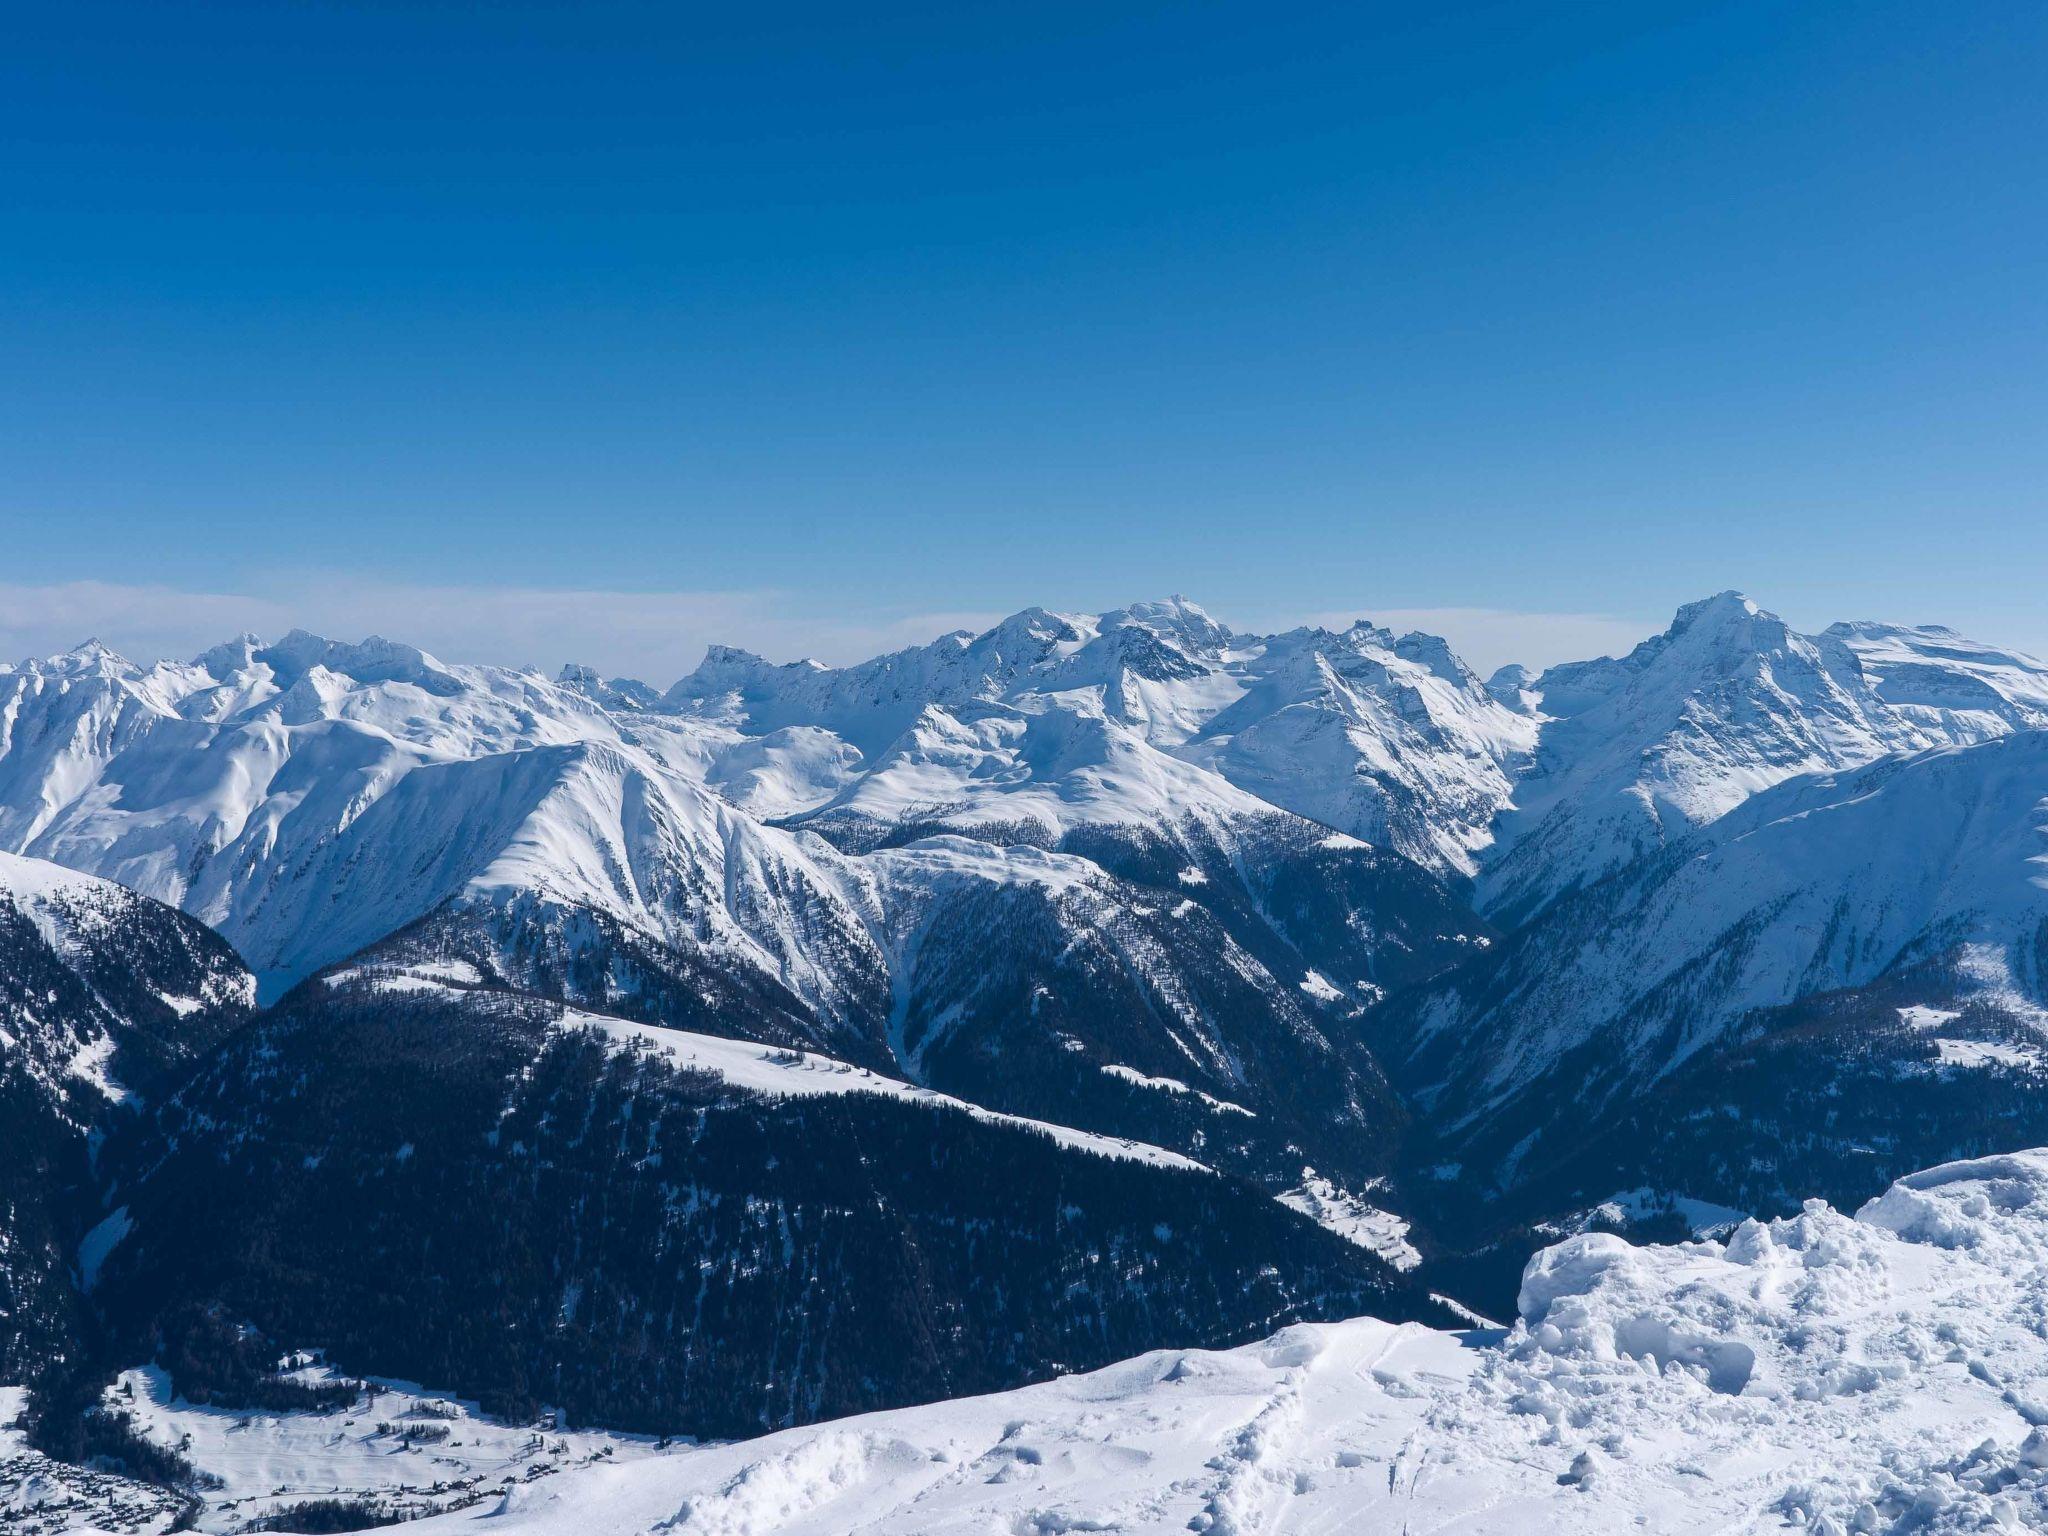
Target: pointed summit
{"x":1727,"y":701}
{"x":1729,"y":604}
{"x":230,"y":656}
{"x":1728,"y":615}
{"x":618,"y":693}
{"x":1185,"y":624}
{"x":90,"y":657}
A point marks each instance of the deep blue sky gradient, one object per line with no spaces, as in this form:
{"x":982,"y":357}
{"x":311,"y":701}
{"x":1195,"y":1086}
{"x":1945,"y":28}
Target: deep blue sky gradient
{"x":1295,"y":308}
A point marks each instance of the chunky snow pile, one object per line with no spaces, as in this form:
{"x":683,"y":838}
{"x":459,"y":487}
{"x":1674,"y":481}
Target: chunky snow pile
{"x":1883,"y":1373}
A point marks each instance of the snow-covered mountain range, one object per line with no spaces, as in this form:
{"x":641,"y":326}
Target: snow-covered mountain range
{"x":1727,"y":701}
{"x":1077,"y":853}
{"x":1421,"y":964}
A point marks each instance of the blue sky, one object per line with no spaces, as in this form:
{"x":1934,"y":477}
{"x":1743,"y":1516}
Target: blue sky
{"x":820,"y":328}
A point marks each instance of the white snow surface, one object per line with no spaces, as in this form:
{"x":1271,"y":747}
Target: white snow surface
{"x":1139,"y":1079}
{"x":270,"y":1460}
{"x":1886,"y":1372}
{"x":56,"y":899}
{"x":773,"y":1070}
{"x":1883,"y":1372}
{"x":310,"y":797}
{"x":73,"y":914}
{"x":1150,"y":714}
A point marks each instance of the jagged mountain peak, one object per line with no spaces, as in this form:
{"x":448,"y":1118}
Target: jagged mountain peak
{"x":372,"y":660}
{"x":1714,"y":635}
{"x":90,"y":657}
{"x":230,"y":656}
{"x":1726,"y":701}
{"x":1910,"y":864}
{"x":1435,"y":653}
{"x":626,"y":694}
{"x":1728,"y":605}
{"x":1041,"y":624}
{"x":93,"y":649}
{"x":1175,"y":618}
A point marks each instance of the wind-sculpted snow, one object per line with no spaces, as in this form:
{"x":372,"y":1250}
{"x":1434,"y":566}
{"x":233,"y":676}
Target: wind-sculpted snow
{"x":1882,"y":1373}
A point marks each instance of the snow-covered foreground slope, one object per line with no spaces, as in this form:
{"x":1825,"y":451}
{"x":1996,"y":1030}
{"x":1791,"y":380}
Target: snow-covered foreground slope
{"x":1863,"y":1372}
{"x":1886,"y":1372}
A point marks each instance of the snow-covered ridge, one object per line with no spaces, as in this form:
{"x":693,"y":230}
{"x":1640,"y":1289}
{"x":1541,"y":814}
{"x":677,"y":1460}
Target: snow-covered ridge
{"x":1821,"y":1372}
{"x":796,"y":831}
{"x":307,"y":797}
{"x":177,"y":778}
{"x":91,"y":929}
{"x":1149,"y":711}
{"x":1637,"y":751}
{"x":768,"y":1070}
{"x":1823,"y":882}
{"x":794,"y":1074}
{"x":54,"y":898}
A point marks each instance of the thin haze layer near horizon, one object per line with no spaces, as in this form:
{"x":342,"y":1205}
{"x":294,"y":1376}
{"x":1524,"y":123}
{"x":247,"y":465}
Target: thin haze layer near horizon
{"x":532,"y":333}
{"x":653,"y":636}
